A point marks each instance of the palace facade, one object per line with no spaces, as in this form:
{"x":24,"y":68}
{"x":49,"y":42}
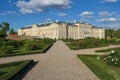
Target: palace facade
{"x":63,"y":30}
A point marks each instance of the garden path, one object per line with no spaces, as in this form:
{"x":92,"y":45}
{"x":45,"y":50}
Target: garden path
{"x":59,"y":63}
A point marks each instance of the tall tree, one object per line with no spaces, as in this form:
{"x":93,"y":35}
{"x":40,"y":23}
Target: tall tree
{"x":4,"y":27}
{"x":12,"y":31}
{"x":110,"y":33}
{"x":118,"y":33}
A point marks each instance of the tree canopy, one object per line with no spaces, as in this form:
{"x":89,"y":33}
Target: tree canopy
{"x":112,"y":33}
{"x":12,"y":31}
{"x":4,"y":27}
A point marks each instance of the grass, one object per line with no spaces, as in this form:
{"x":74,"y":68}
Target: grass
{"x":100,"y":68}
{"x":9,"y":70}
{"x":22,"y":51}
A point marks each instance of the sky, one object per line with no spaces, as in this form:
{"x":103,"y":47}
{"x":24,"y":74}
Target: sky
{"x":100,"y":13}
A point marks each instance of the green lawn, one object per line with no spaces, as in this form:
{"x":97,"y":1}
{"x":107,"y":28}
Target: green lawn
{"x":9,"y":70}
{"x":100,"y":68}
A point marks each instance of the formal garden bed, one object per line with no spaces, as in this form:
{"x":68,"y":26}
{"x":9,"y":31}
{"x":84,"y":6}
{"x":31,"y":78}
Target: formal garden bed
{"x":90,"y":43}
{"x":8,"y":71}
{"x":24,"y":47}
{"x":106,"y":67}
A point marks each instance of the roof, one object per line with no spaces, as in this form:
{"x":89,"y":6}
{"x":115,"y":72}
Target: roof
{"x":60,"y":22}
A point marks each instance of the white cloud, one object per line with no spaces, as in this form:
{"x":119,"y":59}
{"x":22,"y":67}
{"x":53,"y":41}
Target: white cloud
{"x":114,"y":25}
{"x":8,"y":12}
{"x":48,"y":19}
{"x":112,"y":19}
{"x":9,"y":1}
{"x":41,"y":5}
{"x":105,"y":13}
{"x":62,"y":14}
{"x":86,"y":14}
{"x":111,"y":0}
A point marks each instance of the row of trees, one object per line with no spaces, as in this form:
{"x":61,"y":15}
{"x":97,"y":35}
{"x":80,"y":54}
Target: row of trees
{"x":111,"y":33}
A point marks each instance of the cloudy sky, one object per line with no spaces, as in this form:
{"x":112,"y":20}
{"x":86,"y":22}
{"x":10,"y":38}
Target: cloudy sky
{"x":18,"y":13}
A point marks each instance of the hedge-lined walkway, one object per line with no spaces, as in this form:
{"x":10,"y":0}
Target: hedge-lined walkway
{"x":92,"y":50}
{"x":59,"y":63}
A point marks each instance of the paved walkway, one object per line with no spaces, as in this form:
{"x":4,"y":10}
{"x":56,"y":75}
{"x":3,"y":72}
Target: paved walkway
{"x":92,"y":50}
{"x":59,"y":63}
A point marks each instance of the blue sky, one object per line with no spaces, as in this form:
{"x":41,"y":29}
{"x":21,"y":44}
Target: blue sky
{"x":18,"y":13}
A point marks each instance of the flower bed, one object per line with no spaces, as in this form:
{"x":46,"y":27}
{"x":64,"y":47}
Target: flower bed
{"x":85,"y":43}
{"x":99,"y":66}
{"x":113,"y":59}
{"x":25,"y":47}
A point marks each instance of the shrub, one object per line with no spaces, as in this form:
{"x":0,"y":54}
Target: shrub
{"x":86,"y":43}
{"x":30,"y":45}
{"x":6,"y":49}
{"x":14,"y":43}
{"x":113,"y":59}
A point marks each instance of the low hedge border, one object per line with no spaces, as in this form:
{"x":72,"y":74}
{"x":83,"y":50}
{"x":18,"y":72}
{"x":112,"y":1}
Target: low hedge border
{"x":44,"y":51}
{"x":48,"y":48}
{"x":76,"y":48}
{"x":21,"y":68}
{"x":14,"y":76}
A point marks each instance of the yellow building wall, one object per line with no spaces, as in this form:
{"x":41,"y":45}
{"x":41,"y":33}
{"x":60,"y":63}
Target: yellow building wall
{"x":60,"y":31}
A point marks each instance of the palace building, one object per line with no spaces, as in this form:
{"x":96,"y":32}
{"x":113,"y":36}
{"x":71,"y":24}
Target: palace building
{"x":63,"y":30}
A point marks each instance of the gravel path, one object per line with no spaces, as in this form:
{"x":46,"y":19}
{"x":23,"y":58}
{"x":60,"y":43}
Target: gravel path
{"x":59,"y":63}
{"x":92,"y":50}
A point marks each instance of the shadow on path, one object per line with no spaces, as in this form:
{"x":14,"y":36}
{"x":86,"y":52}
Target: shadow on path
{"x":22,"y":74}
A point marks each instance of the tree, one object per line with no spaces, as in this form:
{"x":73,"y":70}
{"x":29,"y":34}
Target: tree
{"x":12,"y":31}
{"x":118,"y":33}
{"x":4,"y":27}
{"x":110,"y":33}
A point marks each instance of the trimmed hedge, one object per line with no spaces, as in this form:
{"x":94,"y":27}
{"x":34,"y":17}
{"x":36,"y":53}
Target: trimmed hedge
{"x":26,"y":47}
{"x":28,"y":53}
{"x":85,"y":43}
{"x":10,"y":70}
